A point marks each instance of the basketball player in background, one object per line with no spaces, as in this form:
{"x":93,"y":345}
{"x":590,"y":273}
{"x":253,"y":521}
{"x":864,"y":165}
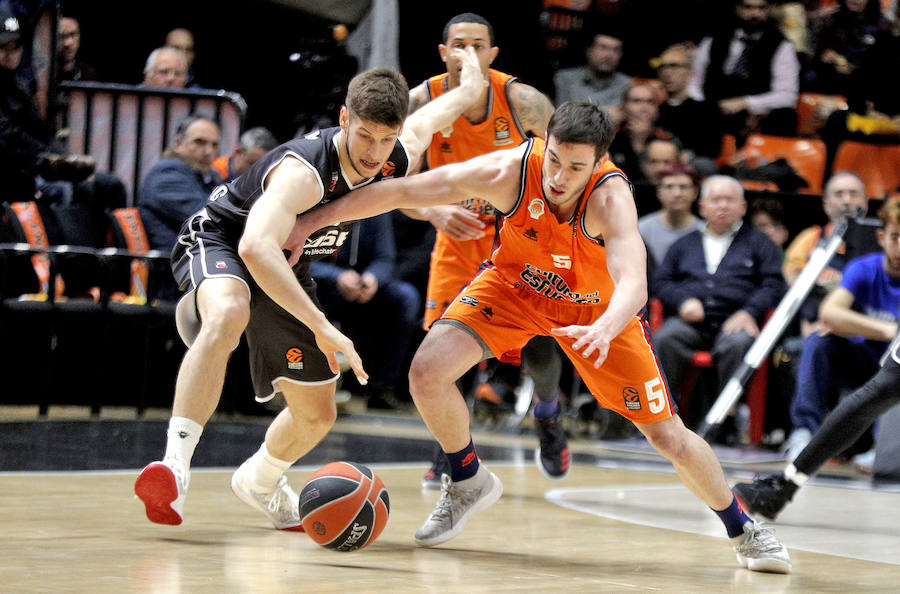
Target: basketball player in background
{"x":229,"y":258}
{"x":583,"y":281}
{"x":507,"y":112}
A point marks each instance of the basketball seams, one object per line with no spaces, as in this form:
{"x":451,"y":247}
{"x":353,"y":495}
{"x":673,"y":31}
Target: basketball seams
{"x":344,"y":521}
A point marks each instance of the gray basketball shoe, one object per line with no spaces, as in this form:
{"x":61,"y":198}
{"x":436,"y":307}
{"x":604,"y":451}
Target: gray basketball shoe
{"x":281,"y":506}
{"x":760,"y":550}
{"x":457,"y":504}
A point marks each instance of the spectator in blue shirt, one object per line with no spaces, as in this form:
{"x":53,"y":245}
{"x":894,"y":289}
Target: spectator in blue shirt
{"x":178,"y":185}
{"x":860,"y":319}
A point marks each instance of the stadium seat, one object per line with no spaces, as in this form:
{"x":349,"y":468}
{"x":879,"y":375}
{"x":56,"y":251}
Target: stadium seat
{"x":755,"y":390}
{"x":805,"y":155}
{"x":878,"y":165}
{"x":813,"y":109}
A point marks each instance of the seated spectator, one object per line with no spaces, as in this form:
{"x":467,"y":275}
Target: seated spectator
{"x":843,"y":40}
{"x":182,"y":39}
{"x":31,"y":158}
{"x":767,"y":215}
{"x":844,"y":197}
{"x":640,"y":112}
{"x":690,"y":121}
{"x":69,"y":67}
{"x":253,"y":144}
{"x":860,"y":319}
{"x":677,"y":191}
{"x":166,"y":67}
{"x":357,"y":289}
{"x":659,"y":154}
{"x":599,"y":80}
{"x":751,"y":72}
{"x":874,"y":105}
{"x":716,"y":287}
{"x":178,"y":185}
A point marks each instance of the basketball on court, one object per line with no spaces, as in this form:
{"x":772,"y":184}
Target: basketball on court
{"x":344,"y":506}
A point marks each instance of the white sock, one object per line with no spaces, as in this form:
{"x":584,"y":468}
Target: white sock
{"x":181,"y":439}
{"x":792,"y":474}
{"x":266,"y":469}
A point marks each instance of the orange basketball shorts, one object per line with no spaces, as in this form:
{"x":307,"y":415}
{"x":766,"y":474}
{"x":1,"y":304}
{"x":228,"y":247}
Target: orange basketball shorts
{"x":506,"y":317}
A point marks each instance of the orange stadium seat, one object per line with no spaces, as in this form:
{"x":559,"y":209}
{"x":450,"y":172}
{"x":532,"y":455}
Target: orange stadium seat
{"x":878,"y":165}
{"x":813,"y":109}
{"x":805,"y":155}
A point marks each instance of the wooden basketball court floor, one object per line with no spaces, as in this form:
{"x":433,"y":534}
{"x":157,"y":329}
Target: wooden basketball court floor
{"x":620,"y":522}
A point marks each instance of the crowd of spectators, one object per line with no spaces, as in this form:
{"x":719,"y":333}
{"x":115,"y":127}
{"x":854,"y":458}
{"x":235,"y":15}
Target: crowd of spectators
{"x":715,"y":263}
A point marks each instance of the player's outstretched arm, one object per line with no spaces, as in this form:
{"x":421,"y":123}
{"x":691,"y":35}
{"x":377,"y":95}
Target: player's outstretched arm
{"x":493,"y":177}
{"x":291,"y":188}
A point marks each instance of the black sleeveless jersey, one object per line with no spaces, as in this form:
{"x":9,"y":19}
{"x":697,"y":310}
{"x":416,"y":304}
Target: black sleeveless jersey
{"x":229,"y":204}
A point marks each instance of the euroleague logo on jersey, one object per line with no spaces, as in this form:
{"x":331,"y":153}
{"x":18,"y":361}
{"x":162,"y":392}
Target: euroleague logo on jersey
{"x":294,"y":356}
{"x":387,"y":170}
{"x":501,"y":132}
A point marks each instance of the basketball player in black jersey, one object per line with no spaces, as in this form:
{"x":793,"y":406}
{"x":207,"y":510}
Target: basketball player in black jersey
{"x":230,"y":262}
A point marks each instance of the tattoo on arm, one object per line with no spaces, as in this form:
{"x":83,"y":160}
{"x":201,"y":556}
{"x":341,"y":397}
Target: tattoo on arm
{"x":532,"y":108}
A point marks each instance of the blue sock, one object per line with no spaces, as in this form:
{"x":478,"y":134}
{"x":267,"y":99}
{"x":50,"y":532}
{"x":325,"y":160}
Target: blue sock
{"x":545,"y":409}
{"x":734,"y":518}
{"x":464,"y":463}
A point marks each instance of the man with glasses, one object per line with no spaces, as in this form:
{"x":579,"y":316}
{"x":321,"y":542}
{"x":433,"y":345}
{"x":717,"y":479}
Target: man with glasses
{"x":691,"y":121}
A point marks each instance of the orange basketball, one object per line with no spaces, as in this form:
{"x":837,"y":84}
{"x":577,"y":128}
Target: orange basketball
{"x":344,"y":506}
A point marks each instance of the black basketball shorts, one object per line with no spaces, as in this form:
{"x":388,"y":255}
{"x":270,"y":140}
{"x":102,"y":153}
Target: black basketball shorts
{"x":281,"y":347}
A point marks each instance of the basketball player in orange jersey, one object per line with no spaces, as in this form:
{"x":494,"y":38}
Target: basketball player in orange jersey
{"x":507,"y":112}
{"x":570,"y":264}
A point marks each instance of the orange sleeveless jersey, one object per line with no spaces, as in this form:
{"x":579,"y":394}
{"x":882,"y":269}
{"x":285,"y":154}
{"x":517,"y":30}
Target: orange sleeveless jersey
{"x":454,"y":263}
{"x":548,"y":274}
{"x":559,"y":261}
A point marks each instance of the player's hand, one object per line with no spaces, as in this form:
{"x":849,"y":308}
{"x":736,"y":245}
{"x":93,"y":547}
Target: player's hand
{"x":330,"y":341}
{"x":470,"y":75}
{"x":457,"y":222}
{"x":296,"y":240}
{"x":588,"y":339}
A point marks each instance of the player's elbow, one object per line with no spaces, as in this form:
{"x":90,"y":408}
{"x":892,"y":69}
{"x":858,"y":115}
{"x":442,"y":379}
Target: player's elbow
{"x":250,"y":249}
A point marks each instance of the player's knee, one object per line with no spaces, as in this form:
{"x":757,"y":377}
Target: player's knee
{"x":226,"y":320}
{"x":668,"y":440}
{"x":317,"y":418}
{"x":424,"y":375}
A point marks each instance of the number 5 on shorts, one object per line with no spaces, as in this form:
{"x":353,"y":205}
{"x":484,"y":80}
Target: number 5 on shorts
{"x":656,"y":395}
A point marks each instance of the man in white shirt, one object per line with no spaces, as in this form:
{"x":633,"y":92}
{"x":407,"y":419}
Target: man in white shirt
{"x":716,"y":285}
{"x":751,"y":72}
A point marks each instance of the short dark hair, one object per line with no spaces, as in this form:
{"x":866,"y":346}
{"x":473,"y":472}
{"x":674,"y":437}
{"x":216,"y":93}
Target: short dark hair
{"x":680,"y":169}
{"x":185,"y":121}
{"x":469,"y":17}
{"x":581,"y":122}
{"x":769,"y":206}
{"x":378,"y":95}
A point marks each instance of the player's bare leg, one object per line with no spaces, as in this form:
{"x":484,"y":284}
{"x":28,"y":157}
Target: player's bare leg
{"x":260,"y":481}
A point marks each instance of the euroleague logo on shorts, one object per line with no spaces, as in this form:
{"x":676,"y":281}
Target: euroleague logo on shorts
{"x":387,"y":170}
{"x":632,"y":398}
{"x":294,"y":356}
